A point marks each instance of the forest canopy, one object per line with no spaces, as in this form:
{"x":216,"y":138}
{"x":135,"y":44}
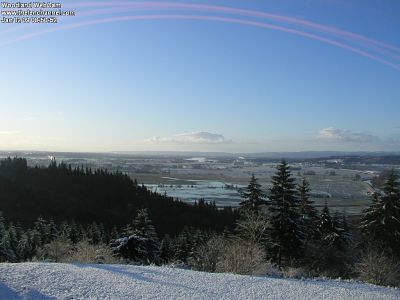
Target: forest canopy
{"x":63,"y":193}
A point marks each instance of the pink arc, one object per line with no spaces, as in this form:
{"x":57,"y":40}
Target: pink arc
{"x":205,"y":18}
{"x":244,"y":12}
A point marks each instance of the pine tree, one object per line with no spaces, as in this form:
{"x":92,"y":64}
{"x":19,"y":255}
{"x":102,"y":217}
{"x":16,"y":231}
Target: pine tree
{"x":285,"y":233}
{"x":345,"y":224}
{"x":94,"y":234}
{"x":24,"y":248}
{"x":11,"y":243}
{"x":339,"y":224}
{"x":13,"y":240}
{"x":52,"y":230}
{"x":333,"y":242}
{"x":183,"y":243}
{"x":42,"y":228}
{"x":253,"y":195}
{"x":331,"y":230}
{"x":35,"y":240}
{"x":71,"y":231}
{"x":308,"y":213}
{"x":3,"y":247}
{"x":381,"y":221}
{"x":140,"y":241}
{"x":114,"y":233}
{"x":167,"y":249}
{"x":9,"y":254}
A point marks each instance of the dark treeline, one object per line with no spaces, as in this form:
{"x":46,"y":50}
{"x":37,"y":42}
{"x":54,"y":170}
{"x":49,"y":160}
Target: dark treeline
{"x":81,"y":195}
{"x":73,"y":242}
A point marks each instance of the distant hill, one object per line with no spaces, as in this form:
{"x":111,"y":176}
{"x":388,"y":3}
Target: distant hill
{"x":188,"y":154}
{"x":271,"y":155}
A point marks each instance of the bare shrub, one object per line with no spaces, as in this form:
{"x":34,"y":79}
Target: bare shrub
{"x":252,"y":226}
{"x":208,"y":254}
{"x":296,"y":273}
{"x":57,"y":250}
{"x":86,"y":253}
{"x":242,"y":257}
{"x":377,"y":268}
{"x":272,"y":270}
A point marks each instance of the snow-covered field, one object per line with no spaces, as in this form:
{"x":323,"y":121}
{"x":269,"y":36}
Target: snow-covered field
{"x":69,"y":281}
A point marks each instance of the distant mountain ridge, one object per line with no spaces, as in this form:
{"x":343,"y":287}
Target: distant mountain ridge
{"x":276,"y":155}
{"x":188,"y":154}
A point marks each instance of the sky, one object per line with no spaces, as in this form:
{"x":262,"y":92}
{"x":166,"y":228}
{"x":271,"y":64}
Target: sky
{"x":232,"y":76}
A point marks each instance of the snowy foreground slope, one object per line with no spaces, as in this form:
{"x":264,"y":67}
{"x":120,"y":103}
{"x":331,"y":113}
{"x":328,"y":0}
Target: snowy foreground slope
{"x":69,"y":281}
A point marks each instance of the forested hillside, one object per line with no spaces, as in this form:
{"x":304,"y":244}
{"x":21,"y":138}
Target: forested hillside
{"x":61,"y":193}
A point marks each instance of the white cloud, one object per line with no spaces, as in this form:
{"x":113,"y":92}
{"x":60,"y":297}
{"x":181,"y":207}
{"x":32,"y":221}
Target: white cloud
{"x":335,"y":134}
{"x":200,"y":137}
{"x":10,"y":132}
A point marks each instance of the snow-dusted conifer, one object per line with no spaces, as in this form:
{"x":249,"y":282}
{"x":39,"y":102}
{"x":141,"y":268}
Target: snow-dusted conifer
{"x":332,"y":245}
{"x":381,"y":221}
{"x":253,"y":196}
{"x":167,"y":249}
{"x":285,"y":233}
{"x":3,"y":247}
{"x":140,"y":241}
{"x":308,"y":213}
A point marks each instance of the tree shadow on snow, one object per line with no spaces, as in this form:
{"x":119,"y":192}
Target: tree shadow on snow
{"x":7,"y":293}
{"x":137,"y":276}
{"x":33,"y":295}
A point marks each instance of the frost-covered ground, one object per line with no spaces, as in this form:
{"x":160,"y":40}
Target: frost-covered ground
{"x":69,"y":281}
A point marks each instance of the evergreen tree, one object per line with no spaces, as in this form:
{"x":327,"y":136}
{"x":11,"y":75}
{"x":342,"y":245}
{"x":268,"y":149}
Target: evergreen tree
{"x":186,"y":243}
{"x":330,"y":256}
{"x":381,"y":221}
{"x":103,"y":235}
{"x":10,"y":242}
{"x":140,"y":241}
{"x":167,"y":249}
{"x":308,"y":213}
{"x":9,"y":253}
{"x":114,"y":233}
{"x":42,"y":228}
{"x":253,"y":195}
{"x":3,"y":245}
{"x":285,"y":233}
{"x":24,"y":248}
{"x":13,"y":240}
{"x":35,"y":240}
{"x":345,"y":224}
{"x":325,"y":225}
{"x":342,"y":240}
{"x":331,"y":230}
{"x":71,"y":231}
{"x":52,"y":230}
{"x":94,"y":234}
{"x":183,"y":244}
{"x":81,"y":232}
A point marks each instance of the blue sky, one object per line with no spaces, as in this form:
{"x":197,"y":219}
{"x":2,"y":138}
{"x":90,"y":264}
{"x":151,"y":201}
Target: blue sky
{"x":204,"y":85}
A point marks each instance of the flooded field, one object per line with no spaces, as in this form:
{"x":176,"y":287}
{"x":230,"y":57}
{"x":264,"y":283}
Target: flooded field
{"x":224,"y":194}
{"x":341,"y":195}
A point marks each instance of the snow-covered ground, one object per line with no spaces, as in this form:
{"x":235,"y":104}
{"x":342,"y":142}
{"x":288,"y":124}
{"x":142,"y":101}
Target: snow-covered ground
{"x":69,"y":281}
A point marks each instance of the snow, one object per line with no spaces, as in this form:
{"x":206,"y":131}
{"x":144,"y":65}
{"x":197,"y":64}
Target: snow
{"x":76,"y":281}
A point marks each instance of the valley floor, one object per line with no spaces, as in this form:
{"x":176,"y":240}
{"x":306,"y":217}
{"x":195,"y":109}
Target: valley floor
{"x":75,"y":281}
